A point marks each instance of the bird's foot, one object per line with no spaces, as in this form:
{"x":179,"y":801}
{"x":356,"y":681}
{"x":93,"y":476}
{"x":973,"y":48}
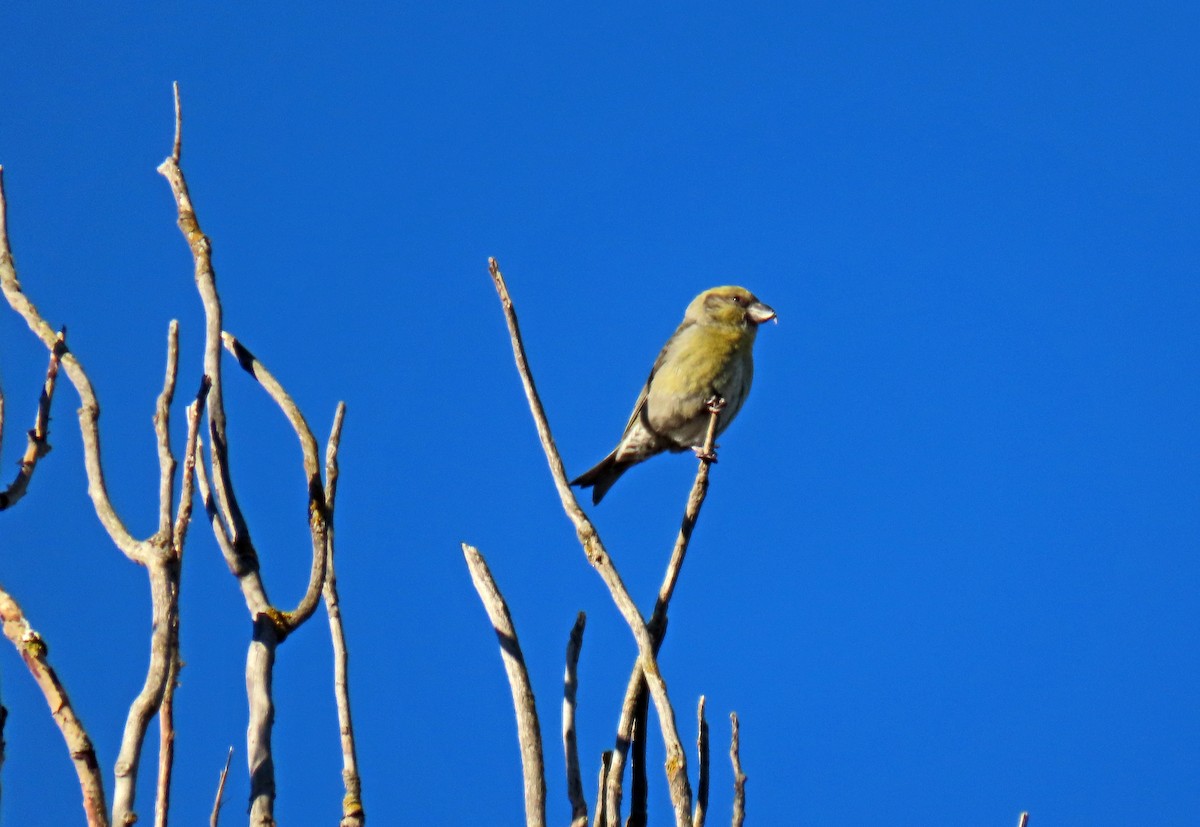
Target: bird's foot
{"x":707,"y":456}
{"x":715,"y":404}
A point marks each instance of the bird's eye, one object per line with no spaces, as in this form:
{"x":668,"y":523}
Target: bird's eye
{"x":737,"y":299}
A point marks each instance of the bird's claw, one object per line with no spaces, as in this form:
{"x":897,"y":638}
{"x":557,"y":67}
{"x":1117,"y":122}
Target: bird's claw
{"x":715,"y":404}
{"x":706,"y":456}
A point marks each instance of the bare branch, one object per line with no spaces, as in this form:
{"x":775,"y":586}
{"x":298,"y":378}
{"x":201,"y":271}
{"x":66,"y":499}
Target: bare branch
{"x":166,"y":738}
{"x":38,"y":445}
{"x":163,"y":569}
{"x":1024,"y":821}
{"x":216,"y":810}
{"x":271,"y":626}
{"x":89,"y":412}
{"x":222,"y":507}
{"x":632,"y":725}
{"x":601,"y":817}
{"x":676,"y":763}
{"x":33,"y":651}
{"x":183,"y":516}
{"x":579,"y":808}
{"x":177,"y":148}
{"x":166,"y":710}
{"x":162,"y":429}
{"x":352,"y":809}
{"x":164,"y":594}
{"x":260,"y":669}
{"x":317,"y":513}
{"x":528,"y":732}
{"x":739,"y":777}
{"x":701,"y":812}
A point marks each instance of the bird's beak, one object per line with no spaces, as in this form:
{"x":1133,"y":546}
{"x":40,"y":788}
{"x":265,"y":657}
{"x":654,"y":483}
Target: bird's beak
{"x":759,"y":313}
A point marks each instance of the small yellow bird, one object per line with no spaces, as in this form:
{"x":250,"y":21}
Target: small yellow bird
{"x":708,"y":358}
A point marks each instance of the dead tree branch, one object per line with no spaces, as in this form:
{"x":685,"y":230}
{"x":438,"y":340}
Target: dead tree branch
{"x":34,"y":652}
{"x":157,"y":553}
{"x":271,"y":626}
{"x":528,"y":732}
{"x":597,"y":555}
{"x":701,"y":813}
{"x":89,"y":411}
{"x":631,"y":727}
{"x":216,"y":808}
{"x":739,"y":777}
{"x":39,"y":444}
{"x":579,"y":808}
{"x":601,"y":817}
{"x":352,"y":808}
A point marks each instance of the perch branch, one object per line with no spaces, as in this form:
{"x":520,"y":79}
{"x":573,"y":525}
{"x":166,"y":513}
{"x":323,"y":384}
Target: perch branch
{"x":597,"y":555}
{"x":579,"y":808}
{"x":631,"y":727}
{"x":33,"y":651}
{"x":528,"y":732}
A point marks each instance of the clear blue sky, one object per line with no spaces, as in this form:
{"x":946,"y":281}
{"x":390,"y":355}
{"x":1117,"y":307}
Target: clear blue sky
{"x":948,"y":566}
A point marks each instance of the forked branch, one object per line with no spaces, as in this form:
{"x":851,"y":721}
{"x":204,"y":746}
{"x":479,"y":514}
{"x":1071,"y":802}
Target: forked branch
{"x":597,"y":555}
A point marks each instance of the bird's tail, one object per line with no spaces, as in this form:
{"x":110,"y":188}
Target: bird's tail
{"x":602,"y":476}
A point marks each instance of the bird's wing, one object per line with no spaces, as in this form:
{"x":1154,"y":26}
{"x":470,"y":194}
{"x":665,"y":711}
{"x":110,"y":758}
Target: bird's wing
{"x":639,"y":407}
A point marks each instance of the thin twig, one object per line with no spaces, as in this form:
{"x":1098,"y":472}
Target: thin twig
{"x":601,"y":816}
{"x":162,"y":567}
{"x":162,"y":429}
{"x":739,"y":777}
{"x":166,"y":738}
{"x":166,"y":709}
{"x":579,"y":807}
{"x":597,"y":555}
{"x":183,"y":515}
{"x":1024,"y":822}
{"x":639,"y":783}
{"x":216,"y":809}
{"x":702,"y":758}
{"x":528,"y":731}
{"x":38,"y":445}
{"x":353,"y":814}
{"x":33,"y":651}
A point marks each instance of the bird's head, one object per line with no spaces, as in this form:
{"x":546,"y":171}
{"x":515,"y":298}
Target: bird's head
{"x":735,"y":306}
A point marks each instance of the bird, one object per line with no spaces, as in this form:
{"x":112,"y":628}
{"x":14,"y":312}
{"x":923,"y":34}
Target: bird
{"x":708,"y":362}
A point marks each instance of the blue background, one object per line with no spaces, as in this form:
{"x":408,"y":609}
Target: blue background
{"x":948,"y":566}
